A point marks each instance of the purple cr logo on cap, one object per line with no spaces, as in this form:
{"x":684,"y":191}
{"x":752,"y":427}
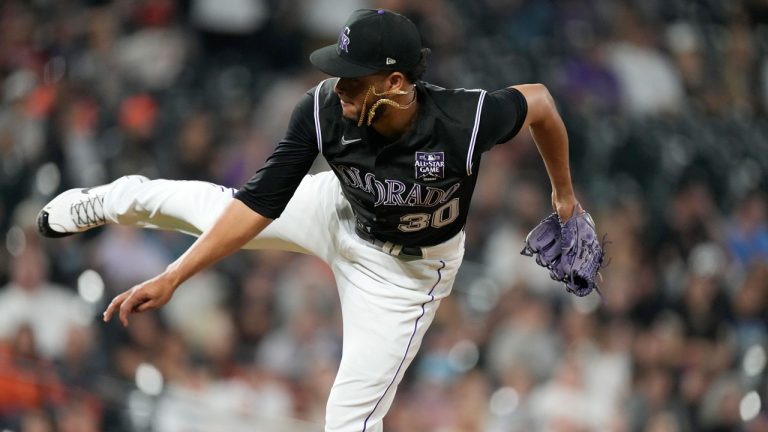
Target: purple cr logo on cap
{"x":381,"y":11}
{"x":344,"y":40}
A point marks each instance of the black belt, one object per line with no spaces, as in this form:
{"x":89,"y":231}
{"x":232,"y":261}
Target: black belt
{"x":388,"y":247}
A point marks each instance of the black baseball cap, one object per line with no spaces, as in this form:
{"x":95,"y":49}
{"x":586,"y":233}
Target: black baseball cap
{"x":372,"y":40}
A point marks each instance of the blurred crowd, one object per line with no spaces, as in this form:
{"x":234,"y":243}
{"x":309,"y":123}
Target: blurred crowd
{"x":666,"y":104}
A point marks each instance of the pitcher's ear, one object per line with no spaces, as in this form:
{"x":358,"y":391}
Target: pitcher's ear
{"x":396,"y":80}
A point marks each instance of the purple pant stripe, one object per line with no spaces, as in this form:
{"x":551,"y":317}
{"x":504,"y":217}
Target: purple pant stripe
{"x":408,"y":347}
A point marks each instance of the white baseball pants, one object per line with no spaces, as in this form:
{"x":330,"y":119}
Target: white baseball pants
{"x":387,"y":302}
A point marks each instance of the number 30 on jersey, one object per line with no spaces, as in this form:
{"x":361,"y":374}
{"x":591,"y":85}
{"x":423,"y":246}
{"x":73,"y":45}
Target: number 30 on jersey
{"x":441,"y":217}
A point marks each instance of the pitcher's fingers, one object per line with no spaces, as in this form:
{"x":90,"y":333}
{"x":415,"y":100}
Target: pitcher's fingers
{"x":147,"y":305}
{"x":127,"y":307}
{"x":113,"y":305}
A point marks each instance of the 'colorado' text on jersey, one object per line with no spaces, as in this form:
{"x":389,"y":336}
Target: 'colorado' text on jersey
{"x":413,"y":191}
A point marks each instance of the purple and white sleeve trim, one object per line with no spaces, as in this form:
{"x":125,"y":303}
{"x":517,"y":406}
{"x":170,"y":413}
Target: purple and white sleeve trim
{"x":474,"y":131}
{"x":318,"y":132}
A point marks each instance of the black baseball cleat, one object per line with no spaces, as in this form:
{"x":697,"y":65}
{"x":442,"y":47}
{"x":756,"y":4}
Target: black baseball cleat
{"x":76,"y":210}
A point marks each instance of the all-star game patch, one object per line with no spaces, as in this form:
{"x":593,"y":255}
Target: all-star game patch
{"x":430,"y":165}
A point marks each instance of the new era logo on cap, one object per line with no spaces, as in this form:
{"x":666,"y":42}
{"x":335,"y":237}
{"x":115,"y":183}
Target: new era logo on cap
{"x":391,"y":61}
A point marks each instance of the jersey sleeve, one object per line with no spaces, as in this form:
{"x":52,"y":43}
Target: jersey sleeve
{"x":270,"y":189}
{"x":503,"y":114}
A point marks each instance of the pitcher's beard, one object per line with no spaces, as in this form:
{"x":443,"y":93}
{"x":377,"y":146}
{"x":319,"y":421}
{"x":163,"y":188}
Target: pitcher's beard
{"x":352,"y":119}
{"x":377,"y":114}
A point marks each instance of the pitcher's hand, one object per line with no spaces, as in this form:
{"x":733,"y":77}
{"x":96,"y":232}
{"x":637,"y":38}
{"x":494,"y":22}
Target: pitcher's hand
{"x":564,"y":205}
{"x":145,"y":296}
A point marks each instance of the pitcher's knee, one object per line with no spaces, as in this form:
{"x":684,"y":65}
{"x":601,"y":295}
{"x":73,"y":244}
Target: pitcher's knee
{"x":120,"y":198}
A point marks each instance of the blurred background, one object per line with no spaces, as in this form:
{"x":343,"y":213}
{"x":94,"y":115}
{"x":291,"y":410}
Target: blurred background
{"x":665,"y":103}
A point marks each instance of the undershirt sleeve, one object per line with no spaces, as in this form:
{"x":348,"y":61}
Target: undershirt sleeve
{"x":503,"y":115}
{"x":270,"y":189}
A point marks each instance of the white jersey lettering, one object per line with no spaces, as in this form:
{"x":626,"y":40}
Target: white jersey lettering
{"x":393,"y":192}
{"x":395,"y":188}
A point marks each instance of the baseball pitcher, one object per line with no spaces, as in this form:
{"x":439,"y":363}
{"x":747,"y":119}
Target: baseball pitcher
{"x":388,"y":219}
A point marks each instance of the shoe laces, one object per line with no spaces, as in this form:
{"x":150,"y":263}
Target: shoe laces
{"x":89,"y":212}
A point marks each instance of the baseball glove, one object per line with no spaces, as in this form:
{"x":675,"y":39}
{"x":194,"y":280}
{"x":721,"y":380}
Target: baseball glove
{"x":571,"y":250}
{"x":582,"y":254}
{"x":544,"y":243}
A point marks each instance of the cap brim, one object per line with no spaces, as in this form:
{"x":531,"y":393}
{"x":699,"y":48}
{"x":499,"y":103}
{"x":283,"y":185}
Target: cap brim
{"x":328,"y":60}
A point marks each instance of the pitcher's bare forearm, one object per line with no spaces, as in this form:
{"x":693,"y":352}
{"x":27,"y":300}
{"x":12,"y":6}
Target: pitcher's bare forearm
{"x":551,"y":138}
{"x":237,"y":225}
{"x":234,"y":228}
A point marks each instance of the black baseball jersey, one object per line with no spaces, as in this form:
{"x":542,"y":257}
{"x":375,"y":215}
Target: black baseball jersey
{"x":412,"y":191}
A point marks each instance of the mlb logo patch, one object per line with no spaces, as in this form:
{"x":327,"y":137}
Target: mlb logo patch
{"x":430,"y":165}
